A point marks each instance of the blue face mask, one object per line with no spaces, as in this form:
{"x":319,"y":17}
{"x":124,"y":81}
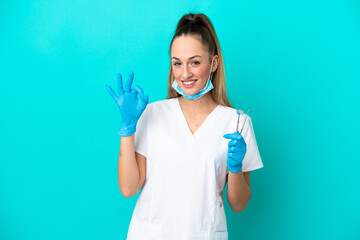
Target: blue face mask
{"x":206,"y":89}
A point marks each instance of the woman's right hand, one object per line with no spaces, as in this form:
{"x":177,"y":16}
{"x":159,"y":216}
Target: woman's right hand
{"x":131,"y":107}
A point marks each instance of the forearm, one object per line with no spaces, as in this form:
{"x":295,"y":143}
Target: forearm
{"x":238,"y":192}
{"x":128,"y":170}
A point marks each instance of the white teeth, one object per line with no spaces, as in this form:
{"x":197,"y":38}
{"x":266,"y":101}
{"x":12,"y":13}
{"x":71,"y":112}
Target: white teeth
{"x":190,"y":82}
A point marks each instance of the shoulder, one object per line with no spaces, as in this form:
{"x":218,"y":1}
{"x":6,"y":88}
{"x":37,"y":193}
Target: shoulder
{"x":226,"y":109}
{"x":164,"y":102}
{"x":162,"y":105}
{"x":231,"y":112}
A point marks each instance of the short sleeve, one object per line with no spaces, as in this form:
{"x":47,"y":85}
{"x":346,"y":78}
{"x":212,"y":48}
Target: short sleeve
{"x":252,"y":159}
{"x":141,"y":136}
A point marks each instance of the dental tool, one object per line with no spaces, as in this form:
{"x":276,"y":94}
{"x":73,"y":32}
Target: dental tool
{"x":237,"y":126}
{"x":239,"y":112}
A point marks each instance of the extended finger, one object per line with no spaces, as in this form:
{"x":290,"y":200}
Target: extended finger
{"x":112,"y":93}
{"x":129,"y":82}
{"x":120,"y":84}
{"x":235,"y":136}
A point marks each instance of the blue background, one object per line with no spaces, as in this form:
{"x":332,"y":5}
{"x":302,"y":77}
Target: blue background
{"x":294,"y":63}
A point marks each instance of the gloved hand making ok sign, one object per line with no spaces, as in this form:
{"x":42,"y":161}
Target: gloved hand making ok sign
{"x":131,"y":107}
{"x":236,"y":151}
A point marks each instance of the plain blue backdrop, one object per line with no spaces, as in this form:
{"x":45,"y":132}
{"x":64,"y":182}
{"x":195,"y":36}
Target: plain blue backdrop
{"x":294,"y":63}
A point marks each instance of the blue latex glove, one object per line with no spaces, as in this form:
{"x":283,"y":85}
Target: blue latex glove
{"x":131,"y":107}
{"x":236,"y":151}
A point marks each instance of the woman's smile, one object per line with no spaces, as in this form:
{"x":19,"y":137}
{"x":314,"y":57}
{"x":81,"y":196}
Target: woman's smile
{"x":188,"y":83}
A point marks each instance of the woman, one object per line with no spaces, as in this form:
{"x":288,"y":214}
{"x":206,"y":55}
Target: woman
{"x":178,"y":150}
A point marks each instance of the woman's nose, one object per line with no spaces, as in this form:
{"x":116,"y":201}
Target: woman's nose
{"x":186,"y":73}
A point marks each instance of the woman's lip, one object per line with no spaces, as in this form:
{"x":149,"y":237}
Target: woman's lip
{"x":190,"y":85}
{"x":188,"y":80}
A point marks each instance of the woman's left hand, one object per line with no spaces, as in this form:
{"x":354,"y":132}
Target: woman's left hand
{"x":236,"y":151}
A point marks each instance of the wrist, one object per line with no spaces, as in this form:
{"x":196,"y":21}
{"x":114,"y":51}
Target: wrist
{"x":235,"y":169}
{"x":127,"y":128}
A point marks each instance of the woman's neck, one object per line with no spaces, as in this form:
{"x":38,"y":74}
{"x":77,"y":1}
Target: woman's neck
{"x":204,"y":104}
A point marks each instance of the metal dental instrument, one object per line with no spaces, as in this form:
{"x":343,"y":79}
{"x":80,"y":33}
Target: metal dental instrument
{"x":237,"y":126}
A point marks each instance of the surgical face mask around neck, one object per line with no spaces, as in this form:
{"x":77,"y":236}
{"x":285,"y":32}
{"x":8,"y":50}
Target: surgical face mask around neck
{"x":198,"y":95}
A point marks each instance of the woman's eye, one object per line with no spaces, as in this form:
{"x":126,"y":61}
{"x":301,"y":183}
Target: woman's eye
{"x":194,"y":63}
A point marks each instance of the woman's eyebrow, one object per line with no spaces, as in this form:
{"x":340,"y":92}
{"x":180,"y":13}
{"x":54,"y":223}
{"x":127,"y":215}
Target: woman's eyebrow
{"x":189,"y":57}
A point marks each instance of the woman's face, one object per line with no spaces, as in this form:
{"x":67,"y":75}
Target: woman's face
{"x":190,"y":64}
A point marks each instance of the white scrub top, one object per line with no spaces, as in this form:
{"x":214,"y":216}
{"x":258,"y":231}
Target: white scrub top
{"x":181,"y":198}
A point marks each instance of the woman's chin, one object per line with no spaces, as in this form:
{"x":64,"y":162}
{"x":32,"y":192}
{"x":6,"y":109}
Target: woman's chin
{"x":190,"y":92}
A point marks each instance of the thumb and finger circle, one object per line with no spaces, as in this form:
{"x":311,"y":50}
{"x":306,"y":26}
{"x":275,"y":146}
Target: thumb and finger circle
{"x":139,"y":90}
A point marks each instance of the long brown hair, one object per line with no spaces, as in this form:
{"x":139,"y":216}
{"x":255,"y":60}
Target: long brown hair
{"x":199,"y":25}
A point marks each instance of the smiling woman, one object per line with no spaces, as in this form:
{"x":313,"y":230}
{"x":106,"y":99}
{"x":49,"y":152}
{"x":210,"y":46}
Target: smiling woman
{"x":196,"y":70}
{"x":193,"y":74}
{"x":177,"y":150}
{"x":193,"y":48}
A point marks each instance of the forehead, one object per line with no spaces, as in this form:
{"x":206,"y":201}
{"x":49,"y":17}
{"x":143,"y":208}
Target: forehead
{"x":184,"y":47}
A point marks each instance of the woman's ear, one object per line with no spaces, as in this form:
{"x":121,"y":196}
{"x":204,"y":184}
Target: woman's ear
{"x":215,"y":63}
